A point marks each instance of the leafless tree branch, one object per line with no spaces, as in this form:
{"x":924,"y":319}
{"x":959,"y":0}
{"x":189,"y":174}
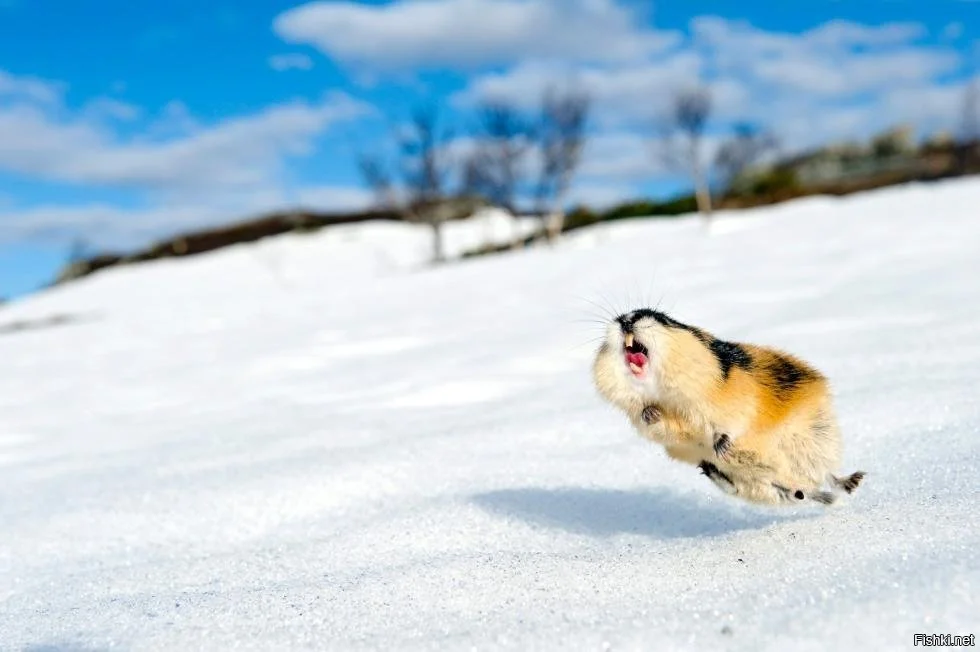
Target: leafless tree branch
{"x":681,"y":137}
{"x":378,"y":179}
{"x":561,"y":136}
{"x":504,"y":140}
{"x":747,"y":146}
{"x":423,"y":162}
{"x":970,"y":128}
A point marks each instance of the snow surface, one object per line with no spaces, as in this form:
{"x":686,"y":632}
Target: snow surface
{"x":316,"y":442}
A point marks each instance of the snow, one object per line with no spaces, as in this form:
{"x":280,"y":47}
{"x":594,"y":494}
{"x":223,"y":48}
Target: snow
{"x":319,"y":442}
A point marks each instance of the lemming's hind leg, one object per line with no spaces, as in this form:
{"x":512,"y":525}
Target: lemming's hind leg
{"x":757,"y":488}
{"x":798,"y":495}
{"x":760,"y":489}
{"x":720,"y":480}
{"x":767,"y":492}
{"x":848,"y":483}
{"x":749,"y":477}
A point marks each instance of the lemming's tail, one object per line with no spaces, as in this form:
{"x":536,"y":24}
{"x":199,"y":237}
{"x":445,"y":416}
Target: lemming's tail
{"x":848,"y":483}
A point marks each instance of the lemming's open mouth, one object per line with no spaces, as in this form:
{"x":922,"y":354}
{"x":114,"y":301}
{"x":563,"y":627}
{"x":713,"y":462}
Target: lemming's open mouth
{"x":636,"y":354}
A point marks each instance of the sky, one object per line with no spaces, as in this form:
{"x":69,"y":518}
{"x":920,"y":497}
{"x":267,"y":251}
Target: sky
{"x":124,"y":122}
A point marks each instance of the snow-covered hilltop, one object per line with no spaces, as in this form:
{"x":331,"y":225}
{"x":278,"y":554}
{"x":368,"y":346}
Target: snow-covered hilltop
{"x":314,"y":442}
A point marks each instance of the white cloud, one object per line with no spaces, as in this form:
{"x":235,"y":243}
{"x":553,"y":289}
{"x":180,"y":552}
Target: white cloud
{"x":843,"y":33}
{"x":29,"y":88}
{"x":838,"y":59}
{"x":109,"y":109}
{"x":631,"y":91}
{"x":928,"y":108}
{"x":932,"y":108}
{"x":174,"y":120}
{"x":835,"y":80}
{"x":864,"y":73}
{"x":953,"y":31}
{"x":294,"y":61}
{"x":239,"y":151}
{"x":104,"y":226}
{"x":113,"y":228}
{"x":830,"y":81}
{"x":745,"y":42}
{"x":463,"y":34}
{"x":621,"y":156}
{"x":187,"y":174}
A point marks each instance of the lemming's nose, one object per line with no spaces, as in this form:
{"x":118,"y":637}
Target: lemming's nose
{"x":625,"y":323}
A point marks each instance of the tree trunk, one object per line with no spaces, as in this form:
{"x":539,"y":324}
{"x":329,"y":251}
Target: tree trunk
{"x":703,"y":198}
{"x":702,"y":191}
{"x":554,"y":220}
{"x":438,"y":255}
{"x":541,"y":235}
{"x":555,"y":225}
{"x":518,"y":239}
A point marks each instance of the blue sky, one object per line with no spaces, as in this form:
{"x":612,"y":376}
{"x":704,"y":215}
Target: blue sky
{"x":121,"y":122}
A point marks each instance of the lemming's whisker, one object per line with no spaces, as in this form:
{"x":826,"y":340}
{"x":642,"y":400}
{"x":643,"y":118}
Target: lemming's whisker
{"x":591,"y":341}
{"x":613,"y":311}
{"x":588,"y":316}
{"x":605,"y":311}
{"x":652,"y":288}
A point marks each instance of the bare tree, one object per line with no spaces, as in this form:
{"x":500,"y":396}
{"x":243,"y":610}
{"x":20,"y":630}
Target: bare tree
{"x":495,"y":168}
{"x":378,"y":179}
{"x":681,"y":141}
{"x":970,"y":126}
{"x":505,"y":140}
{"x":560,"y":136}
{"x":747,"y":145}
{"x":422,"y":163}
{"x":79,"y":250}
{"x":971,"y":112}
{"x":478,"y":173}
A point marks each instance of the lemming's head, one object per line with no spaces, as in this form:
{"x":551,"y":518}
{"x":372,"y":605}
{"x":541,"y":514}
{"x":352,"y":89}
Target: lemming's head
{"x":645,"y":354}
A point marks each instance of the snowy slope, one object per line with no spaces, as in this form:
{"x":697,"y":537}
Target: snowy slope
{"x":314,"y":443}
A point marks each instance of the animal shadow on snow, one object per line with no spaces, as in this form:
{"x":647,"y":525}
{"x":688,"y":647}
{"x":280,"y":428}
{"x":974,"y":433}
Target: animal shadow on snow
{"x":605,"y":512}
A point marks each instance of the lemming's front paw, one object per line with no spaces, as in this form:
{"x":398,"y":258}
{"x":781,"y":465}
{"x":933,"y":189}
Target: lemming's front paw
{"x":651,"y":414}
{"x":707,"y":468}
{"x":722,"y":444}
